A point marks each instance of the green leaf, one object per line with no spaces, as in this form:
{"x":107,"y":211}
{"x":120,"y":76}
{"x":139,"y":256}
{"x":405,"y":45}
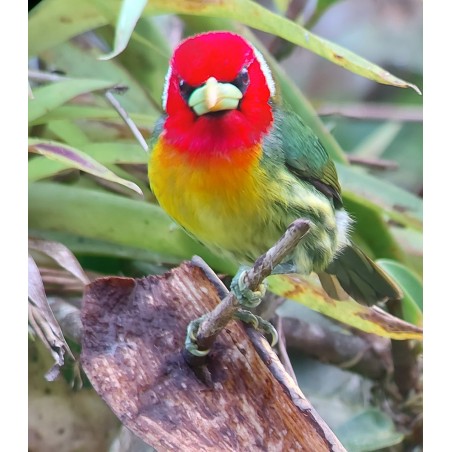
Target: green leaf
{"x":68,"y":131}
{"x":77,"y":159}
{"x":378,"y":141}
{"x":127,"y":19}
{"x":411,"y":285}
{"x":47,"y":98}
{"x":256,"y":16}
{"x":370,"y":320}
{"x":146,"y":56}
{"x":55,"y":21}
{"x":74,"y":112}
{"x":398,"y":204}
{"x":41,"y":168}
{"x":368,"y":431}
{"x":118,"y":152}
{"x":104,"y":216}
{"x":66,"y":19}
{"x":84,"y":246}
{"x":344,"y":400}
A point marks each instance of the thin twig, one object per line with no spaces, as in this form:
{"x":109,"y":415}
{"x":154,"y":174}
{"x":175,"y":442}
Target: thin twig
{"x":373,"y":163}
{"x":373,"y":111}
{"x":362,"y":353}
{"x":213,"y":322}
{"x":283,"y":350}
{"x":126,"y":118}
{"x":40,"y":76}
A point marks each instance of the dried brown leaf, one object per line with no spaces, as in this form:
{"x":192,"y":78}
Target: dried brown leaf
{"x":43,"y":322}
{"x":134,"y":332}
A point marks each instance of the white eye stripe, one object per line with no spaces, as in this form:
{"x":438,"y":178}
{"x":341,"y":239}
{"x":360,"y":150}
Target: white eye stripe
{"x":165,"y":88}
{"x":266,"y":71}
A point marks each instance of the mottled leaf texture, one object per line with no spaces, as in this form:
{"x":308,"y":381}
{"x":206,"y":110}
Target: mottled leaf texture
{"x":134,"y":331}
{"x":369,"y":319}
{"x":43,"y":321}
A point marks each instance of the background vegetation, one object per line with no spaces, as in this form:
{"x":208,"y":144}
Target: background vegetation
{"x":88,"y":187}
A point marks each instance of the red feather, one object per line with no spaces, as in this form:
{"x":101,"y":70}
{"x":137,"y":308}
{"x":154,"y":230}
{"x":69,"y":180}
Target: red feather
{"x":221,"y":55}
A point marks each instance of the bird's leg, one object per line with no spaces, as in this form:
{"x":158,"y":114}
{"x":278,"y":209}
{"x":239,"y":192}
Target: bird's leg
{"x":246,"y":297}
{"x":250,"y":299}
{"x":258,"y":323}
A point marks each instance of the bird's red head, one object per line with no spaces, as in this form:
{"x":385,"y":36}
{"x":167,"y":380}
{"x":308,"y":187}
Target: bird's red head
{"x":217,"y":95}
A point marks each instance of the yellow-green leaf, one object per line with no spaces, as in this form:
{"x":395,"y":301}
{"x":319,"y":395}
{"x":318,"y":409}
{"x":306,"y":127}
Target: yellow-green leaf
{"x":256,"y":16}
{"x":371,"y":320}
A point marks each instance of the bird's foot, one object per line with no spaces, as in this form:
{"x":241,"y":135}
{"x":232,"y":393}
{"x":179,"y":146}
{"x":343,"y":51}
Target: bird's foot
{"x":247,"y":297}
{"x":258,"y":323}
{"x":190,"y":339}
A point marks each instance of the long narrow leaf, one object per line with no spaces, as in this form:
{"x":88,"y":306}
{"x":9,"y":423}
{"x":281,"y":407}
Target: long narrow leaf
{"x":115,"y":219}
{"x":47,"y":98}
{"x":128,"y":17}
{"x":77,"y":159}
{"x":370,"y":320}
{"x":85,"y":16}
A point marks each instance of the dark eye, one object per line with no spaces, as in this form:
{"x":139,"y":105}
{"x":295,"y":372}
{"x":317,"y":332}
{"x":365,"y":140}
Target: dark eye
{"x":185,"y":89}
{"x":242,"y":80}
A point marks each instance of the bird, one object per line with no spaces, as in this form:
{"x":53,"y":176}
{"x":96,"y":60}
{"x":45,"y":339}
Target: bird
{"x":234,"y":167}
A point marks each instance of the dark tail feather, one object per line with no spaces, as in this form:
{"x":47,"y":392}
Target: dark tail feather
{"x":359,"y":277}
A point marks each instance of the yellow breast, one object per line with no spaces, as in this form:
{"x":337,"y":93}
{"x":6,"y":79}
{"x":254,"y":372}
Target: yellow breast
{"x":221,"y":199}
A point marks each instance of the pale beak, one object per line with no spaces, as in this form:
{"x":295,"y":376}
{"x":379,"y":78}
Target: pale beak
{"x":214,"y":96}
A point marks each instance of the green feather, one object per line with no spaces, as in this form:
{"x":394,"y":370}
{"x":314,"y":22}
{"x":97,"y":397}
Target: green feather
{"x":293,"y":143}
{"x":305,"y":156}
{"x":362,"y":278}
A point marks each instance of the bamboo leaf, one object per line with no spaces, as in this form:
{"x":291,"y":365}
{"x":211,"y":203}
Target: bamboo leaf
{"x":55,"y":21}
{"x":100,"y":215}
{"x":49,"y":97}
{"x":256,"y":16}
{"x":85,"y":16}
{"x":411,"y":286}
{"x":77,"y":159}
{"x":73,"y":112}
{"x":371,"y":320}
{"x":127,"y":19}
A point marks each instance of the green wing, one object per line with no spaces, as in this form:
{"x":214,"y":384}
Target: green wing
{"x":304,"y":155}
{"x":156,"y":131}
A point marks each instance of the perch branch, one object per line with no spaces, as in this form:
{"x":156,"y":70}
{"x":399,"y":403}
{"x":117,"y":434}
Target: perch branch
{"x":213,"y":322}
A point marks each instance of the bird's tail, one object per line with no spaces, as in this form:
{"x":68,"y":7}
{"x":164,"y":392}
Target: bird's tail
{"x":361,"y":278}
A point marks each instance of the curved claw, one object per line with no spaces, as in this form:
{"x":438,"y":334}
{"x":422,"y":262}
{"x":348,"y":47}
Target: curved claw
{"x":259,"y":324}
{"x":246,"y":297}
{"x":190,"y":339}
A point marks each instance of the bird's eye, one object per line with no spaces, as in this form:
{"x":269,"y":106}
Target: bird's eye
{"x":185,"y":89}
{"x":242,"y":80}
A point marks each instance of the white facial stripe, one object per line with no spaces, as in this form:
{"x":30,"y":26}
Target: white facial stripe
{"x":165,"y":88}
{"x":266,"y":70}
